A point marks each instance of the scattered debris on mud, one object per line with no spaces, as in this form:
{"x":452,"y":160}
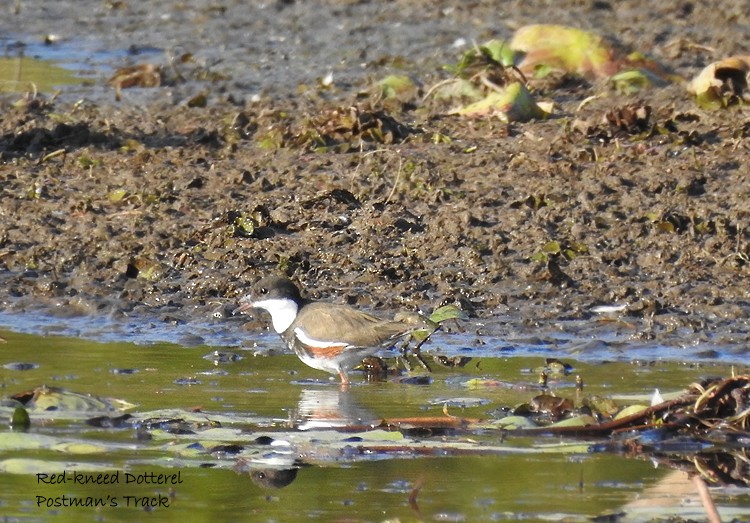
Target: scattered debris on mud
{"x":626,"y":193}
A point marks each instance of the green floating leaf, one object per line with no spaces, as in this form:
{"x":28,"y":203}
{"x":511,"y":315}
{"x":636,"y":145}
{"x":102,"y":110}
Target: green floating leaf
{"x":42,"y":466}
{"x":19,"y":74}
{"x":12,"y":441}
{"x":447,"y":312}
{"x":378,"y":435}
{"x":578,"y":421}
{"x":630,"y":411}
{"x":478,"y":383}
{"x":53,"y":400}
{"x":515,"y":423}
{"x":80,"y":448}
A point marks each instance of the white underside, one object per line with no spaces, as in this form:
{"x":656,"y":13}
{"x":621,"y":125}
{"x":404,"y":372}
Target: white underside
{"x":282,"y":311}
{"x":323,"y":364}
{"x":312,"y":342}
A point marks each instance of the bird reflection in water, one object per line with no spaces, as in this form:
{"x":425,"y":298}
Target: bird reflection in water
{"x":318,"y":409}
{"x":333,"y":409}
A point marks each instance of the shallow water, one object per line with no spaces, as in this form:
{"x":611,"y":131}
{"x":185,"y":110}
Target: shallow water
{"x":365,"y":476}
{"x":75,"y":67}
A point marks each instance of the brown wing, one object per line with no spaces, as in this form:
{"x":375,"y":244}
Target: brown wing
{"x":329,"y":322}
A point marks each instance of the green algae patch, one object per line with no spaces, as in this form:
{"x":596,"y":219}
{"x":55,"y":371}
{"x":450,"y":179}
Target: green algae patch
{"x":18,"y":75}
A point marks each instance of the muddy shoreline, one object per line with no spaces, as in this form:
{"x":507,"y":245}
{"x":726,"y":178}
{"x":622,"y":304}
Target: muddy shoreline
{"x":158,"y":209}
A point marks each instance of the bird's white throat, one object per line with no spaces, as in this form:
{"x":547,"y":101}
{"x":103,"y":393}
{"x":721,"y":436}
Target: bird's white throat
{"x":282,"y":310}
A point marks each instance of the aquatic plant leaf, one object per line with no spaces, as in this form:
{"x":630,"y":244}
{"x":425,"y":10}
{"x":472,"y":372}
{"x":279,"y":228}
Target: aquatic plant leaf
{"x":447,"y":312}
{"x":378,"y":435}
{"x":548,"y":47}
{"x":515,"y":423}
{"x":630,"y":411}
{"x":42,"y":466}
{"x":80,"y":447}
{"x":54,"y":400}
{"x":583,"y":420}
{"x":23,"y":441}
{"x":565,"y":48}
{"x":477,"y":383}
{"x":722,"y":83}
{"x":24,"y":74}
{"x":14,"y":441}
{"x":514,"y":103}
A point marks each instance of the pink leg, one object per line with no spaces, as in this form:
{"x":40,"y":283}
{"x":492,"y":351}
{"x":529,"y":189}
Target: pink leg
{"x":344,"y":379}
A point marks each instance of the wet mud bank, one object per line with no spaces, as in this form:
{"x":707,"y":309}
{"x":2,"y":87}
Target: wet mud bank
{"x":170,"y":203}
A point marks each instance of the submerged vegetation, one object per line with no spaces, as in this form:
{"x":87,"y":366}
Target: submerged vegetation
{"x":263,"y":419}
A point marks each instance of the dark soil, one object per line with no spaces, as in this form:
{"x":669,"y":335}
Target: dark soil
{"x":159,"y":205}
